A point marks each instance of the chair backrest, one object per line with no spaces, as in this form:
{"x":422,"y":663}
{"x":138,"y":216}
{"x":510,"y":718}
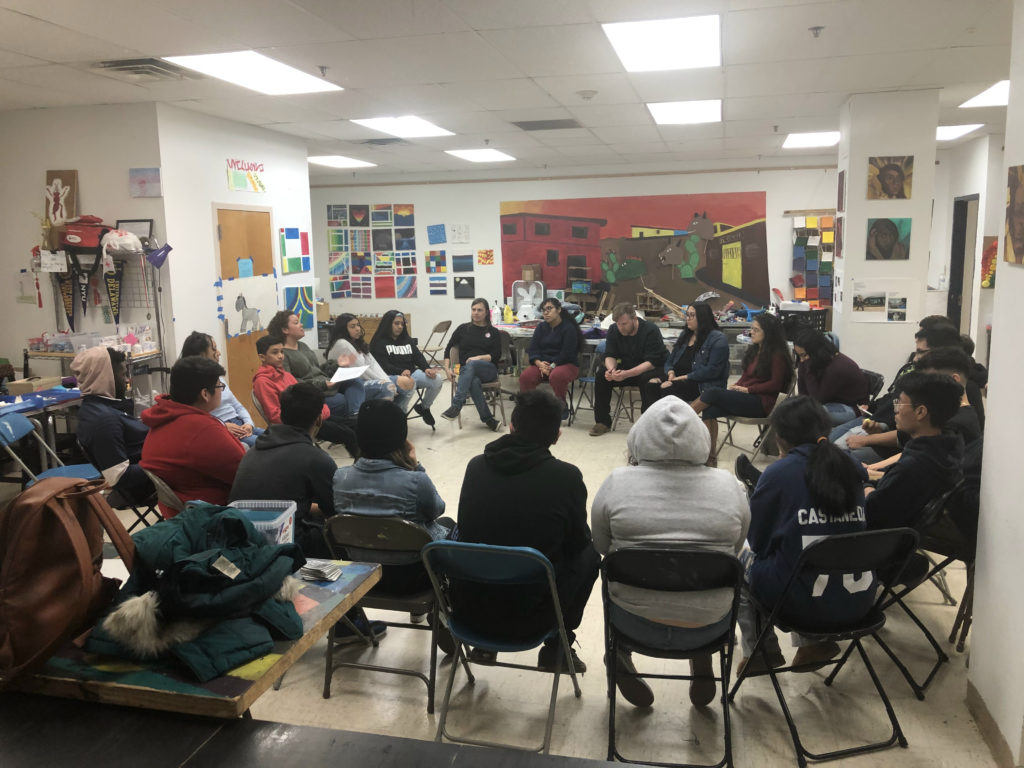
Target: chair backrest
{"x":506,"y":350}
{"x":386,"y":534}
{"x":441,"y":329}
{"x":934,"y":509}
{"x":875,"y":381}
{"x":673,"y":569}
{"x":13,"y":427}
{"x":859,"y":552}
{"x":258,"y":407}
{"x":164,"y":494}
{"x":486,"y":564}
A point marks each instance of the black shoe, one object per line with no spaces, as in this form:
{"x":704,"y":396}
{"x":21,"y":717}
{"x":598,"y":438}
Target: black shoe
{"x":550,"y":653}
{"x":343,"y":635}
{"x":493,"y":424}
{"x":634,"y":689}
{"x":565,"y":412}
{"x":425,"y":414}
{"x":451,"y":414}
{"x":747,"y":473}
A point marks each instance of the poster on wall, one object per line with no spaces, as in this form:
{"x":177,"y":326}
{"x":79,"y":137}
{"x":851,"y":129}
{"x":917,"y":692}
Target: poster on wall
{"x":144,"y":182}
{"x":60,"y":196}
{"x":298,"y":299}
{"x":888,"y":240}
{"x":294,"y":245}
{"x":883,"y":301}
{"x":485,"y":258}
{"x":1013,"y":245}
{"x":989,"y":253}
{"x":404,"y":215}
{"x":890,"y":178}
{"x":246,"y":303}
{"x":464,"y":287}
{"x":244,"y":175}
{"x":679,"y":246}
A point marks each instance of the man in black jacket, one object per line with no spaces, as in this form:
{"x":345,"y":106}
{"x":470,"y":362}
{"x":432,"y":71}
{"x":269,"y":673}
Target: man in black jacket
{"x":634,"y":354}
{"x":517,"y":494}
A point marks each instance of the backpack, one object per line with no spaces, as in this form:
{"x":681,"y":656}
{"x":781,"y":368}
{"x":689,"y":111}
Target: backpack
{"x":51,"y":552}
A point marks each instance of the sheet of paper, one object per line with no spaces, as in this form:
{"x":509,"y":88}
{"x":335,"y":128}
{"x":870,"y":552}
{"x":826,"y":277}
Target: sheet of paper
{"x":347,"y":374}
{"x":53,"y":261}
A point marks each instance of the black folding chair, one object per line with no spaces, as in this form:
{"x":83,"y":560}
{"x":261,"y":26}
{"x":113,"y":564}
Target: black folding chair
{"x":449,"y":561}
{"x":676,"y":570}
{"x":141,"y":509}
{"x":875,"y":382}
{"x":396,"y":544}
{"x":884,"y":553}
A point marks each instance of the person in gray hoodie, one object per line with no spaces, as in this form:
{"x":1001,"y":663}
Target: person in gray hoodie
{"x":667,"y":496}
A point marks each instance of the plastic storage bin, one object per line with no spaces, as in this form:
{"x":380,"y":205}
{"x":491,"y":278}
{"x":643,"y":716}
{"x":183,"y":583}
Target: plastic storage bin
{"x":274,"y":519}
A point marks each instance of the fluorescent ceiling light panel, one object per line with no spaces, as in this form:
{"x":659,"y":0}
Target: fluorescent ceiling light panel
{"x":480,"y":155}
{"x":256,"y":72}
{"x":664,"y":44}
{"x":686,"y":112}
{"x":405,"y":127}
{"x":340,"y":161}
{"x":996,"y":96}
{"x":950,"y":132}
{"x":807,"y":140}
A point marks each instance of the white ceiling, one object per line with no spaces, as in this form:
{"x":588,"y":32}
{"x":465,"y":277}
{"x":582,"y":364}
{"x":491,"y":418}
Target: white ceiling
{"x":473,"y":66}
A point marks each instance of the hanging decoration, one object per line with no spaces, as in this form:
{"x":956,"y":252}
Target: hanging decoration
{"x":112,"y":280}
{"x":67,"y":296}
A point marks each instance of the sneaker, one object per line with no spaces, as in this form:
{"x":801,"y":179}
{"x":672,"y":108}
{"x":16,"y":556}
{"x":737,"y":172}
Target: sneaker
{"x":812,"y":657}
{"x":565,"y":412}
{"x":417,"y":618}
{"x":704,"y":688}
{"x":758,"y":665}
{"x":343,"y":635}
{"x":747,"y":473}
{"x":549,"y":653}
{"x":493,"y":424}
{"x":451,"y":414}
{"x":599,"y":429}
{"x":634,"y":689}
{"x":425,"y":414}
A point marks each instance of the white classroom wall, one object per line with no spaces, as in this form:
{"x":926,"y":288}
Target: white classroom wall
{"x":478,"y":205}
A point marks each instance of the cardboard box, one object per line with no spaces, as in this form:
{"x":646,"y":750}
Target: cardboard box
{"x":531,"y":272}
{"x":34,"y":384}
{"x":323,"y":312}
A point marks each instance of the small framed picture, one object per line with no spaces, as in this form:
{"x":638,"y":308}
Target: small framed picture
{"x":139,"y":227}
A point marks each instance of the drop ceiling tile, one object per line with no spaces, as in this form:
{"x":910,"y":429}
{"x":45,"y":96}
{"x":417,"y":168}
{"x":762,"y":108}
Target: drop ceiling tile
{"x":520,"y":93}
{"x":574,"y":49}
{"x":964,"y":65}
{"x":612,"y":115}
{"x":88,"y":87}
{"x":385,"y":18}
{"x":523,"y":115}
{"x":246,"y":110}
{"x":686,"y":133}
{"x":686,"y":85}
{"x":610,"y":89}
{"x":259,"y":23}
{"x":566,"y":136}
{"x":773,"y":79}
{"x":587,"y":150}
{"x":351,"y":104}
{"x":32,"y":37}
{"x":627,"y":133}
{"x":523,"y":13}
{"x":640,"y":148}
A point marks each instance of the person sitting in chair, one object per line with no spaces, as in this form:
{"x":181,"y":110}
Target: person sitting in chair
{"x":699,"y":359}
{"x":107,"y":428}
{"x":554,"y":352}
{"x":398,"y":355}
{"x":633,"y":355}
{"x":827,"y":375}
{"x":479,"y":345}
{"x":639,"y":505}
{"x":347,"y":345}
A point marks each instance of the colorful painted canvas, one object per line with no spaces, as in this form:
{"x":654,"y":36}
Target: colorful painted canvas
{"x":458,"y":233}
{"x":359,"y":239}
{"x":339,"y":264}
{"x":485,"y":257}
{"x":464,"y":287}
{"x":298,"y":299}
{"x":437,"y":262}
{"x":383,"y":263}
{"x":381,"y":216}
{"x":405,"y":239}
{"x":1013,"y":244}
{"x":362,"y":286}
{"x":438,"y":285}
{"x":436,"y":234}
{"x":462,"y":262}
{"x":383,"y":240}
{"x":404,"y":215}
{"x":405,"y":287}
{"x":341,"y":288}
{"x":337,"y":215}
{"x":405,"y":263}
{"x":337,"y":239}
{"x":294,"y":246}
{"x":888,"y":239}
{"x":384,"y":287}
{"x":362,"y":263}
{"x":359,"y":215}
{"x":890,"y":178}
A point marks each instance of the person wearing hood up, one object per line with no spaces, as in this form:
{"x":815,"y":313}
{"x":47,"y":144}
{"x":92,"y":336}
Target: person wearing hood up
{"x":107,"y":428}
{"x":516,"y":494}
{"x":187,"y":447}
{"x":667,"y":496}
{"x":285,"y":463}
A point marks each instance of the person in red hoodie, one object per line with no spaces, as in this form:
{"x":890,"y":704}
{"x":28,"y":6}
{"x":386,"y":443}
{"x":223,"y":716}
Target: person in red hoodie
{"x":271,"y":379}
{"x":187,"y":447}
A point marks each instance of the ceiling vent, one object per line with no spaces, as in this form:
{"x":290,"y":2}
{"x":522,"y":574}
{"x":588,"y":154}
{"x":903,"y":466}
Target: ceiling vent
{"x":385,"y":142}
{"x":547,"y":125}
{"x":146,"y":70}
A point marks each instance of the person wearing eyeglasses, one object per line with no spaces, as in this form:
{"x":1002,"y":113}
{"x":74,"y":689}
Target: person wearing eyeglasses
{"x":554,"y":352}
{"x":187,"y":446}
{"x":699,"y":358}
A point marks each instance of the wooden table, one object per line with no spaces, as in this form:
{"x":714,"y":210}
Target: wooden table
{"x":74,"y":674}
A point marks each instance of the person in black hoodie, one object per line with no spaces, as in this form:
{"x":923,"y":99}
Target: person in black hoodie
{"x":517,"y":494}
{"x":285,"y":463}
{"x":396,"y":352}
{"x":932,"y":459}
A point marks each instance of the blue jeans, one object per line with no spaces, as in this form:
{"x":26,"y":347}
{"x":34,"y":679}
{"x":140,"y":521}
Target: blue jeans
{"x":251,"y":439}
{"x":348,"y":398}
{"x":665,"y":637}
{"x":379,"y":390}
{"x":840,"y":413}
{"x":472,"y":376}
{"x":429,"y":387}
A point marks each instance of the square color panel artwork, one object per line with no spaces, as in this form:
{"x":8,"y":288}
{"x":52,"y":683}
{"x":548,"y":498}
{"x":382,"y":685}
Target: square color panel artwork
{"x":384,"y":287}
{"x":359,"y":215}
{"x":383,"y":263}
{"x":405,"y":239}
{"x":362,"y":286}
{"x":341,"y":288}
{"x":362,"y":263}
{"x":337,"y":239}
{"x":405,"y":287}
{"x":339,"y":264}
{"x":405,"y":263}
{"x":464,"y":287}
{"x":462,"y":262}
{"x":437,"y":261}
{"x":337,"y":215}
{"x":485,"y":257}
{"x":294,"y":246}
{"x":436,"y":234}
{"x":438,"y":285}
{"x":381,"y":216}
{"x":404,"y":215}
{"x":359,"y":239}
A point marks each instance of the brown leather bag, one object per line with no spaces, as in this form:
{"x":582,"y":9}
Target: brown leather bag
{"x":51,"y":552}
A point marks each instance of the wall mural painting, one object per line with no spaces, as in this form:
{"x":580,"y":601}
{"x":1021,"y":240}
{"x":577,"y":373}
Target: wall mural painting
{"x":677,"y":245}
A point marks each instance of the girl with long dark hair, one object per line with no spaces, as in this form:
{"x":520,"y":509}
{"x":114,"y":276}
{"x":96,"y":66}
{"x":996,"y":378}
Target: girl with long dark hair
{"x":815,"y":489}
{"x":347,"y":344}
{"x":479,"y":345}
{"x":554,"y":352}
{"x":699,"y":359}
{"x":398,"y":355}
{"x":767,"y":371}
{"x":828,"y":376}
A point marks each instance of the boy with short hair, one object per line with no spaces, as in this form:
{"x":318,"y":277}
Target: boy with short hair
{"x":271,"y":379}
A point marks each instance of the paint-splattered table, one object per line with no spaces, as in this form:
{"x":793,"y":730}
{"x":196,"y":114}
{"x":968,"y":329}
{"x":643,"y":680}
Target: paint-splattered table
{"x":75,"y":674}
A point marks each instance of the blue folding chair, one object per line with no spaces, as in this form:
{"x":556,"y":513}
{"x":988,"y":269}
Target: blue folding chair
{"x":452,"y":561}
{"x":15,"y":426}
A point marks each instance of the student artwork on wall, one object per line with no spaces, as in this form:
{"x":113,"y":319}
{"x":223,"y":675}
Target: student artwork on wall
{"x":485,"y":257}
{"x":405,"y":287}
{"x":841,"y":194}
{"x":60,"y":196}
{"x":405,"y":263}
{"x":341,"y":288}
{"x":362,"y":263}
{"x":359,"y":215}
{"x":438,"y":285}
{"x":384,"y":287}
{"x":246,"y":304}
{"x":383,"y":240}
{"x":677,"y":245}
{"x":337,"y":240}
{"x":437,"y":262}
{"x":989,"y":252}
{"x":883,"y":301}
{"x":359,"y":240}
{"x":339,"y":265}
{"x":1013,"y":244}
{"x":405,"y":239}
{"x":404,"y":215}
{"x":458,"y":233}
{"x":888,"y":239}
{"x":383,"y":263}
{"x":362,"y":286}
{"x":436,"y":234}
{"x":462,"y":262}
{"x":890,"y":178}
{"x":381,"y":215}
{"x":298,"y":299}
{"x":144,"y":182}
{"x":464,"y":287}
{"x":294,"y":245}
{"x":813,"y":252}
{"x":337,"y":215}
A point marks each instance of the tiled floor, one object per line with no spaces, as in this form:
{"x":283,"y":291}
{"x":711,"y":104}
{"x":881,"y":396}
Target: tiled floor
{"x":508,"y":705}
